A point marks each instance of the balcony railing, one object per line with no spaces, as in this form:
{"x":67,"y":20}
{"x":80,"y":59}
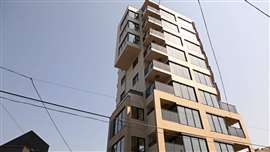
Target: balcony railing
{"x":152,"y":20}
{"x":172,"y":147}
{"x":128,"y":39}
{"x":169,"y":115}
{"x":154,"y":32}
{"x":227,"y":107}
{"x":236,"y":132}
{"x":156,"y":64}
{"x":152,"y":9}
{"x":154,"y":46}
{"x":159,"y":86}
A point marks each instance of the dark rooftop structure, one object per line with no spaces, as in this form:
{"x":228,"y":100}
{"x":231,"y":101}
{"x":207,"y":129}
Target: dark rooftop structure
{"x":28,"y":142}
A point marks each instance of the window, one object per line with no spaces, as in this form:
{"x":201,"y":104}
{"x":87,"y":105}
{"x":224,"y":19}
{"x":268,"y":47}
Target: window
{"x":137,"y":144}
{"x":123,"y":80}
{"x":180,"y":70}
{"x":192,"y":46}
{"x":224,"y":147}
{"x":178,"y":54}
{"x":193,"y":144}
{"x":170,"y":26}
{"x":197,"y":61}
{"x":118,"y":146}
{"x":184,"y":91}
{"x":185,"y":23}
{"x":172,"y":38}
{"x":188,"y":34}
{"x":203,"y":79}
{"x":137,"y":113}
{"x":135,"y":79}
{"x":133,"y":26}
{"x":217,"y":124}
{"x":135,"y":62}
{"x":118,"y":122}
{"x":133,"y":15}
{"x":133,"y":38}
{"x":209,"y":99}
{"x":189,"y":117}
{"x":167,"y":15}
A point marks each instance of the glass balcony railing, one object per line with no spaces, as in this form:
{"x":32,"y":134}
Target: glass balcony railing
{"x":159,"y":86}
{"x":154,"y":46}
{"x":169,"y":115}
{"x":227,"y":107}
{"x":236,"y":132}
{"x":172,"y":147}
{"x":156,"y":64}
{"x":129,"y":38}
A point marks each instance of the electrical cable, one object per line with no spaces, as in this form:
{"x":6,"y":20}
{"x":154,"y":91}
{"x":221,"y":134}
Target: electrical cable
{"x":257,"y":8}
{"x":213,"y":51}
{"x":50,"y":116}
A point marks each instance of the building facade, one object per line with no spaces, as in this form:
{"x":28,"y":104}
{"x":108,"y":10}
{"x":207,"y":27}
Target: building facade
{"x":167,"y":99}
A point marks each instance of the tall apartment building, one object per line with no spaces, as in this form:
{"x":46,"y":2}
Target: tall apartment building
{"x":167,"y":99}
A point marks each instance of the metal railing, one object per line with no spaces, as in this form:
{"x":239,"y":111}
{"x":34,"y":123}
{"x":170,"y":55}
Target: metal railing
{"x":227,"y":107}
{"x":236,"y":132}
{"x":169,"y":115}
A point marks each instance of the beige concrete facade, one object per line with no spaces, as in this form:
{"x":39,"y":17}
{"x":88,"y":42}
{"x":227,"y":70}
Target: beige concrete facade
{"x":162,"y":69}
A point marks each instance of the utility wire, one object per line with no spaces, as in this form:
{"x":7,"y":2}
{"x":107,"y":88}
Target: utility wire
{"x":213,"y":51}
{"x":12,"y":118}
{"x":127,"y":123}
{"x":56,"y":83}
{"x":257,"y":8}
{"x":54,"y":104}
{"x":50,"y":116}
{"x":52,"y":109}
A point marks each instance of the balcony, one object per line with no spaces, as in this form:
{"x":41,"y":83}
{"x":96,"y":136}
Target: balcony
{"x":236,"y":132}
{"x":173,"y":147}
{"x":131,"y":95}
{"x":153,"y":36}
{"x":159,"y":86}
{"x":151,"y":3}
{"x":227,"y":107}
{"x":169,"y":115}
{"x":151,"y":11}
{"x":155,"y":52}
{"x":128,"y":51}
{"x":157,"y":71}
{"x":152,"y":22}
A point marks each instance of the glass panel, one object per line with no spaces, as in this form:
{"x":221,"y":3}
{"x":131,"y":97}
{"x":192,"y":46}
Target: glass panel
{"x":180,"y":70}
{"x":141,"y":145}
{"x":177,"y":89}
{"x":182,"y":115}
{"x":192,"y":47}
{"x":174,"y":39}
{"x":190,"y":117}
{"x":187,"y":144}
{"x":191,"y":94}
{"x":230,"y":148}
{"x":223,"y":147}
{"x":211,"y":123}
{"x":216,"y":123}
{"x":170,"y":26}
{"x":215,"y":100}
{"x":178,"y":54}
{"x":203,"y":145}
{"x":208,"y":99}
{"x":223,"y":125}
{"x":218,"y":149}
{"x":197,"y":119}
{"x":202,"y":96}
{"x":195,"y":144}
{"x":167,"y":15}
{"x":184,"y":91}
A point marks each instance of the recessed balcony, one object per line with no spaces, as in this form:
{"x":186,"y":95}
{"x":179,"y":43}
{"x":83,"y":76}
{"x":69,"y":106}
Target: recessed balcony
{"x":157,"y":71}
{"x":151,"y":22}
{"x":153,"y":36}
{"x":155,"y":52}
{"x":127,"y":51}
{"x":151,"y":11}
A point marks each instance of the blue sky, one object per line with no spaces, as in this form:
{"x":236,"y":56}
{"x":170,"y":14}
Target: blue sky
{"x":73,"y":42}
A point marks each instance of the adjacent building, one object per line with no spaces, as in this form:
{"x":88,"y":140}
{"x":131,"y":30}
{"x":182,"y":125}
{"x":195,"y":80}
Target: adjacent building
{"x":167,"y":98}
{"x":28,"y":142}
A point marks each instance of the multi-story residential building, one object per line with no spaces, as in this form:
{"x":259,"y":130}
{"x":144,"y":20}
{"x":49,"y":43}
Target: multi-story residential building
{"x":167,"y":99}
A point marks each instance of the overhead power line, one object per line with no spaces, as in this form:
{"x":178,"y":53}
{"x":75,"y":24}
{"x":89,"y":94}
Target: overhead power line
{"x":50,"y":116}
{"x":12,"y":118}
{"x":267,"y":15}
{"x":54,"y":104}
{"x":213,"y":51}
{"x":53,"y":109}
{"x":57,"y":84}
